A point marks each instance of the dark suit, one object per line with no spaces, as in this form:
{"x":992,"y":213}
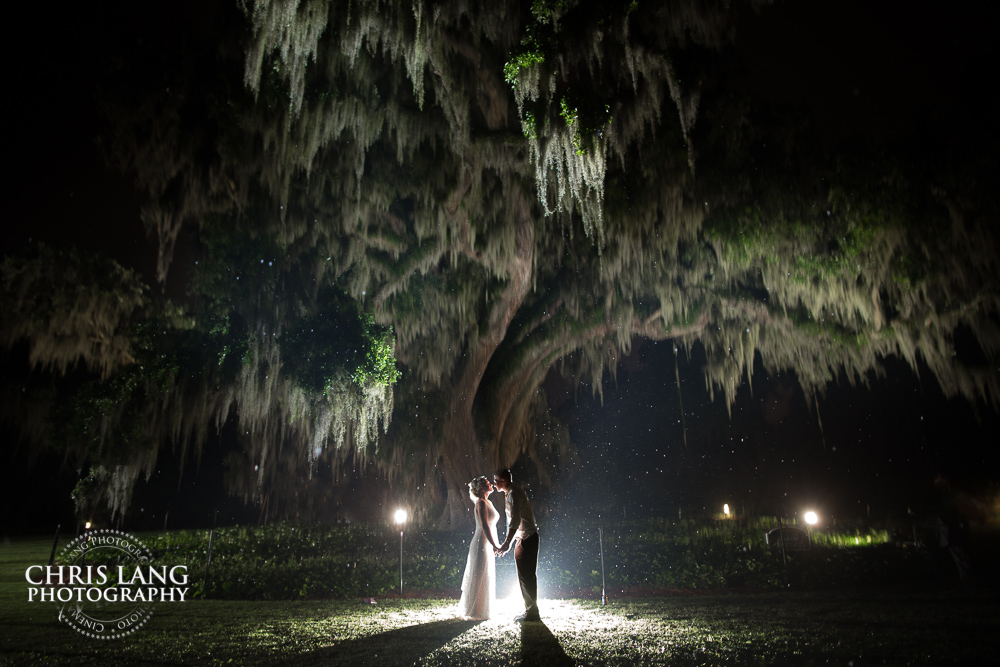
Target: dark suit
{"x":521,"y":516}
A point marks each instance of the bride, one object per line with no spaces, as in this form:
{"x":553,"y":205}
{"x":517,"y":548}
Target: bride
{"x":479,"y":585}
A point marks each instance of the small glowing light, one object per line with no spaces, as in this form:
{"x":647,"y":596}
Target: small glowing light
{"x":400,"y":516}
{"x":725,"y":509}
{"x":811,"y":518}
{"x":87,"y":526}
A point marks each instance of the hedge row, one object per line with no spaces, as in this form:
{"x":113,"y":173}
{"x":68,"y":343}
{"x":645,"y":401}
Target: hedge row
{"x":300,"y":561}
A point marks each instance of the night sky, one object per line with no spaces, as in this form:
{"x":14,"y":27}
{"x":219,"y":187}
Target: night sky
{"x":877,"y":454}
{"x":858,"y":69}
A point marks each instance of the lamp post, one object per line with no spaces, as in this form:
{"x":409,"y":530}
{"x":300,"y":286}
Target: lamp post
{"x":400,"y":519}
{"x":811,"y":520}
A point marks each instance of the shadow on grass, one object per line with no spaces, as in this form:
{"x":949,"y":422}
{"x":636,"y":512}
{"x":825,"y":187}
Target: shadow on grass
{"x":404,"y":646}
{"x":540,"y":647}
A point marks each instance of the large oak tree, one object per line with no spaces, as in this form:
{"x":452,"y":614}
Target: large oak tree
{"x":518,"y":189}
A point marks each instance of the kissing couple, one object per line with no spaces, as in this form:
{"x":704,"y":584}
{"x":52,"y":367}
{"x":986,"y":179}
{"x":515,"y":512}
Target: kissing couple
{"x":479,"y":585}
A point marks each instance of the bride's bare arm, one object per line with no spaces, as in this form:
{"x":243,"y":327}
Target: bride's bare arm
{"x":481,"y":514}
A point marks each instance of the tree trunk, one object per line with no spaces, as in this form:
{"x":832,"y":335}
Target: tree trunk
{"x":464,"y":455}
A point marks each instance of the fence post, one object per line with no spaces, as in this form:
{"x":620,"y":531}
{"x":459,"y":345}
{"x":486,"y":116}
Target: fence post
{"x":781,"y":539}
{"x":52,"y":557}
{"x":208,"y":561}
{"x":604,"y":593}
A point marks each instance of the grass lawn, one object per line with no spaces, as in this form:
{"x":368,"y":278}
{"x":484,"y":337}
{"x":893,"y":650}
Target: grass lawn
{"x":898,"y":627}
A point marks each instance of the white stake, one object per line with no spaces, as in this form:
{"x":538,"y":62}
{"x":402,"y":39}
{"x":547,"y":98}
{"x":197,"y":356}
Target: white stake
{"x":604,"y":595}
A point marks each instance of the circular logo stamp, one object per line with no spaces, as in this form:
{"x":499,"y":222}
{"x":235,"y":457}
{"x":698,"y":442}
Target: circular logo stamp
{"x":103,"y":582}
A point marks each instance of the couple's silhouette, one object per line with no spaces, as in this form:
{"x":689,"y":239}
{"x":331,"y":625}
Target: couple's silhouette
{"x":479,"y":582}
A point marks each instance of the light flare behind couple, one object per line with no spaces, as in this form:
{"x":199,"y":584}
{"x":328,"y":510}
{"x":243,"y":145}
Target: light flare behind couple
{"x":479,"y":585}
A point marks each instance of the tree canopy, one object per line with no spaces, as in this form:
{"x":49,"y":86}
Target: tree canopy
{"x":487,"y":193}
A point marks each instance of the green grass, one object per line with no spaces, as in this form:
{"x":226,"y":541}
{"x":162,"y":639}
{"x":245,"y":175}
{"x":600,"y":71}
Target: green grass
{"x":896,"y":626}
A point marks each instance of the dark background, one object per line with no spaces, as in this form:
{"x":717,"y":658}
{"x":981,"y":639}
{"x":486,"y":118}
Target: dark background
{"x":861,"y":71}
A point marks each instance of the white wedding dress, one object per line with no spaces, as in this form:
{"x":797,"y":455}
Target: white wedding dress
{"x":479,"y":585}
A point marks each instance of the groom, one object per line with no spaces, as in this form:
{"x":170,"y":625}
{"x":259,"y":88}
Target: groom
{"x":521,"y":527}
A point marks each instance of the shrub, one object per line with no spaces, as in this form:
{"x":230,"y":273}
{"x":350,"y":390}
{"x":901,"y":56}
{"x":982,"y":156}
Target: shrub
{"x":287,"y":561}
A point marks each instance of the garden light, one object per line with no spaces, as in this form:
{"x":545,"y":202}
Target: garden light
{"x":811,"y":518}
{"x":86,"y":526}
{"x":725,"y":509}
{"x":400,"y":517}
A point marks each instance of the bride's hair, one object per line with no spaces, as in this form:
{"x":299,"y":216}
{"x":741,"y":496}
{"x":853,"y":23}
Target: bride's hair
{"x":476,"y":487}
